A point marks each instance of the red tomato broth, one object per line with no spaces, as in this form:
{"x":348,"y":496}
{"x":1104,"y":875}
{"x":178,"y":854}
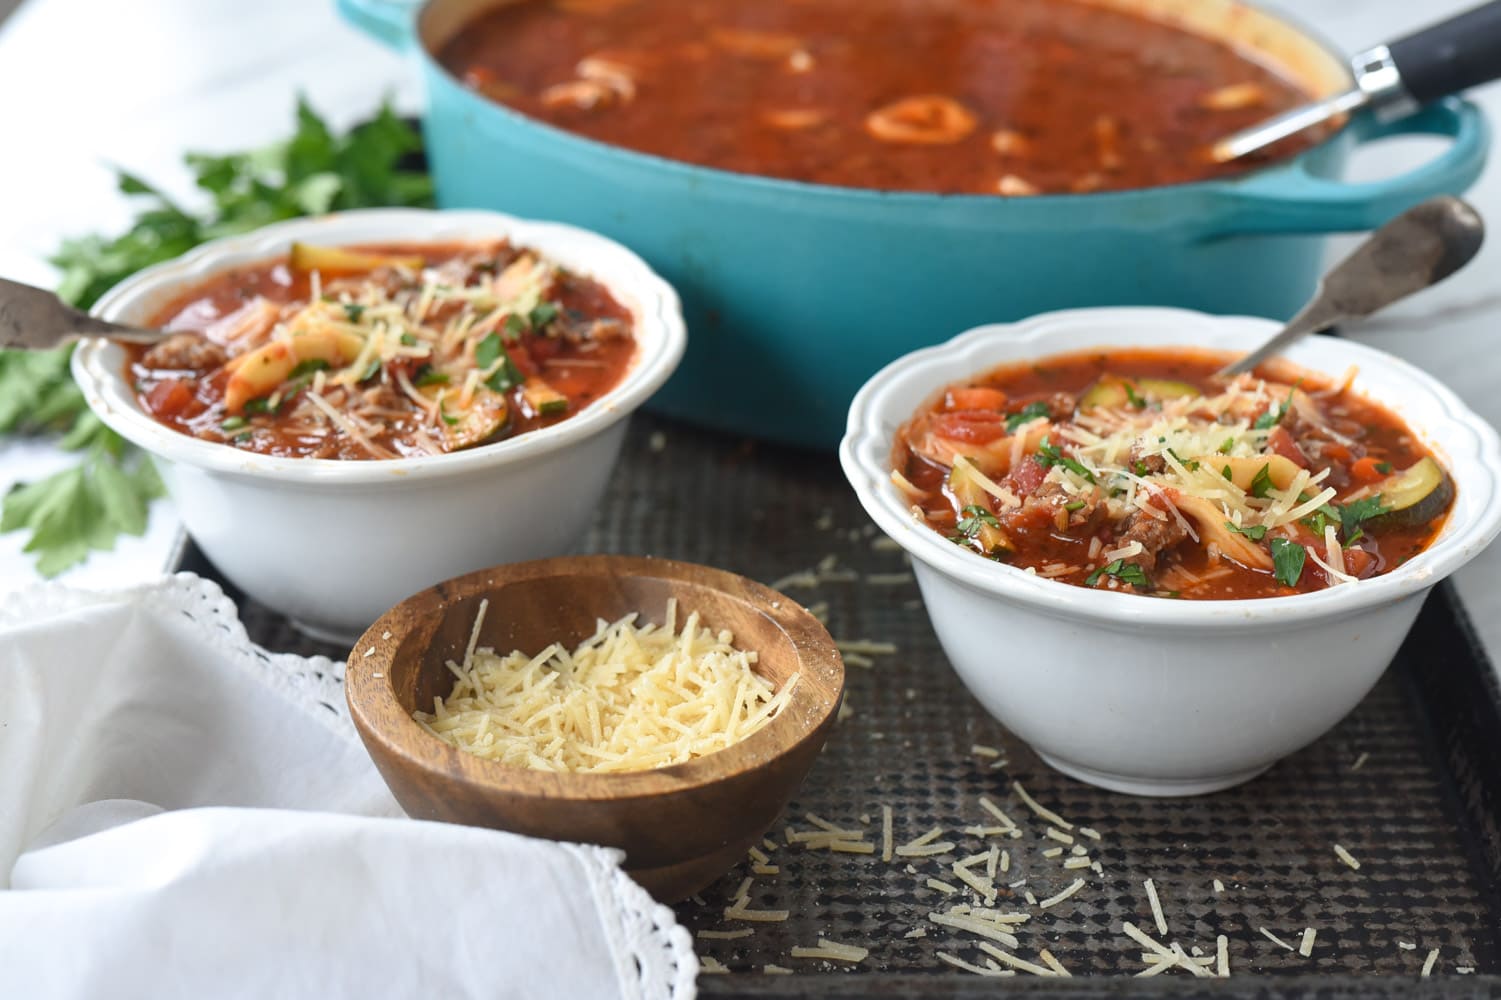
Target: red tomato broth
{"x":1001,"y":96}
{"x":1379,"y":440}
{"x":194,"y":402}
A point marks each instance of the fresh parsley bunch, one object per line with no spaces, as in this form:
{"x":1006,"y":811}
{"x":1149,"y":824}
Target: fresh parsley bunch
{"x":88,"y":506}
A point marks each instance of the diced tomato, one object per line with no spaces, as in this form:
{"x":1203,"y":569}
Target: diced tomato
{"x":974,"y":426}
{"x":522,"y":359}
{"x":975,"y":398}
{"x":1281,"y":442}
{"x":1364,"y":471}
{"x":1025,"y":477}
{"x":169,"y":398}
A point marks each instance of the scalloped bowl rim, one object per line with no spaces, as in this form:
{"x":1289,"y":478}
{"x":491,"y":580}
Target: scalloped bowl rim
{"x":661,"y":336}
{"x":1466,"y":444}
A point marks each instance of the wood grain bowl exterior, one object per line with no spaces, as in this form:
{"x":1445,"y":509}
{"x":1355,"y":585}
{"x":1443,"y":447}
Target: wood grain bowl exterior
{"x":681,"y":826}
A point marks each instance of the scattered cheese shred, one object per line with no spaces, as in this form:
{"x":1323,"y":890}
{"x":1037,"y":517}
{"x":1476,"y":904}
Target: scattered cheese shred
{"x":832,"y":951}
{"x":1222,"y":956}
{"x":1072,"y":888}
{"x":1041,"y":811}
{"x":1016,"y":963}
{"x":1274,"y":939}
{"x":960,"y":963}
{"x":1428,"y":964}
{"x":1305,"y":947}
{"x":1156,"y":905}
{"x":886,"y":833}
{"x":1346,"y":857}
{"x":725,"y":935}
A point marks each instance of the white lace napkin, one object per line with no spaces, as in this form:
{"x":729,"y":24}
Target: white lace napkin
{"x":184,"y":814}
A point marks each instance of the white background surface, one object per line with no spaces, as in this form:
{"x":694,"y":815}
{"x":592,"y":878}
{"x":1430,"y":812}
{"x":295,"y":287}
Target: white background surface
{"x":85,"y":84}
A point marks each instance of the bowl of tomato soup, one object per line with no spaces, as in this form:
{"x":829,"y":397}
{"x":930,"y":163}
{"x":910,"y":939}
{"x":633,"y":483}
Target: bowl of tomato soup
{"x":830,"y":182}
{"x":1162,"y":579}
{"x":350,"y":408}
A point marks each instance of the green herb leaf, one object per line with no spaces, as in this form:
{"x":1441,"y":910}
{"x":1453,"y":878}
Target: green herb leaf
{"x":1048,"y":456}
{"x":974,"y":517}
{"x":1027,"y":414}
{"x":306,"y":368}
{"x":488,"y":350}
{"x":514,"y":327}
{"x":1121,"y":570}
{"x":1353,"y":514}
{"x":543,"y":314}
{"x":1287,"y":561}
{"x":426,"y":376}
{"x":80,"y":509}
{"x":1383,"y":467}
{"x":1074,"y":505}
{"x":1261,"y":483}
{"x":407,"y":340}
{"x":353,"y":311}
{"x":1274,"y":414}
{"x":506,"y":377}
{"x":1255,"y":532}
{"x":1227,"y":446}
{"x":1132,"y":397}
{"x":233,"y":424}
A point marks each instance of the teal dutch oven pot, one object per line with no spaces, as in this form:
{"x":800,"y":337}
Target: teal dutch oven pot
{"x":796,"y":293}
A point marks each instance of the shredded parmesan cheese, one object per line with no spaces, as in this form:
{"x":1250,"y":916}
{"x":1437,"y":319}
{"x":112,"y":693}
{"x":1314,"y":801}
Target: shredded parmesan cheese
{"x":628,"y":698}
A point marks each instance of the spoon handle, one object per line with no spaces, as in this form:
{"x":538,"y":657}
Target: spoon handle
{"x":1414,"y":251}
{"x":35,"y":319}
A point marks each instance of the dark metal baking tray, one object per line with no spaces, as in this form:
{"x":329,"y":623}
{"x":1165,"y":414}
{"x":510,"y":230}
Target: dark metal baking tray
{"x":1420,"y":812}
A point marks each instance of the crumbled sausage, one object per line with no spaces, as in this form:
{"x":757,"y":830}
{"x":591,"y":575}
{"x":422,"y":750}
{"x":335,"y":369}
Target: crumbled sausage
{"x":1155,"y":536}
{"x":188,"y":352}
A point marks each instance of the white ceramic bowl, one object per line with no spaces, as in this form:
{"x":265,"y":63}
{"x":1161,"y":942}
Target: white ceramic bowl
{"x":1158,"y":697}
{"x":333,"y":544}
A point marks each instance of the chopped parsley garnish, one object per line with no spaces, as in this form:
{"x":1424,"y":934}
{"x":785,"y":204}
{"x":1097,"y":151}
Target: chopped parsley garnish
{"x":1191,"y":466}
{"x":1383,"y":467}
{"x":353,"y":310}
{"x":1228,"y":445}
{"x":371,"y":370}
{"x":1227,"y":473}
{"x":426,"y":376}
{"x":1132,"y":397}
{"x":450,"y":421}
{"x":306,"y":368}
{"x":233,"y":424}
{"x":514,"y":327}
{"x":1048,"y":456}
{"x":1262,"y":484}
{"x":1122,"y":571}
{"x":544,"y":314}
{"x":1273,"y":416}
{"x":487,"y":351}
{"x":1287,"y":561}
{"x":407,"y":340}
{"x":974,"y":518}
{"x":1027,"y":414}
{"x":1139,"y":467}
{"x":1074,"y":505}
{"x":1352,"y":514}
{"x":1255,"y":532}
{"x":262,"y":405}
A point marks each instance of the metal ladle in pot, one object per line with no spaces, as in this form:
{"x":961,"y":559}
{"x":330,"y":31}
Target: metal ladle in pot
{"x":1419,"y":248}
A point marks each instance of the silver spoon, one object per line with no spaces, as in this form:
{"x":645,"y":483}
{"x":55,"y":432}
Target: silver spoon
{"x":1419,"y":248}
{"x":37,"y":320}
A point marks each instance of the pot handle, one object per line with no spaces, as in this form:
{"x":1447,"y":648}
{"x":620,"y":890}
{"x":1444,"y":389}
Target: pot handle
{"x":1290,"y":199}
{"x":392,"y":22}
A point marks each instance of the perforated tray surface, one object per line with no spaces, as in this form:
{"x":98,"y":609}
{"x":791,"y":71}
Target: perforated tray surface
{"x":1409,"y":784}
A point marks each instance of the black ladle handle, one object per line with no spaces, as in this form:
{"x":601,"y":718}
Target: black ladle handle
{"x":1444,"y":59}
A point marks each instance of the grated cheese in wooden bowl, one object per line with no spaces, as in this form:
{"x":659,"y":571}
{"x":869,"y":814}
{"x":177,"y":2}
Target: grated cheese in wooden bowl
{"x":629,"y":698}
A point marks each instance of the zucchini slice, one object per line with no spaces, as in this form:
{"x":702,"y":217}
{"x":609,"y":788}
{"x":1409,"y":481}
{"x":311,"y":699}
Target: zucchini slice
{"x":542,"y":399}
{"x":1415,"y":495}
{"x":991,"y":539}
{"x":484,"y":418}
{"x":1115,"y":392}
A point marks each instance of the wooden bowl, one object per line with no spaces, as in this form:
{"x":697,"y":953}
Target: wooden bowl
{"x":680,"y":827}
